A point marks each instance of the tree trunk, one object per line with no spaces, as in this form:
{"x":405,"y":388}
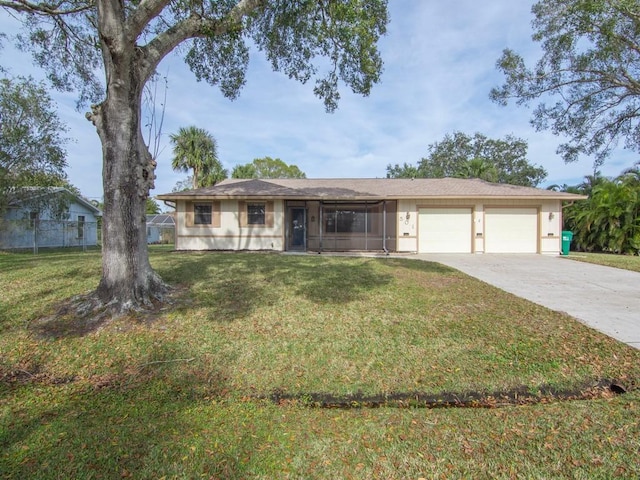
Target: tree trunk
{"x":128,"y":281}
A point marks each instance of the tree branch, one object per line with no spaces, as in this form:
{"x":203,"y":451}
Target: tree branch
{"x":193,"y":27}
{"x":43,"y":8}
{"x":143,"y":14}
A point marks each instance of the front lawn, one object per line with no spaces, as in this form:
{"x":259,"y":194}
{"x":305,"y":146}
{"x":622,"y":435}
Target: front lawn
{"x":626,"y":262}
{"x":226,"y":381}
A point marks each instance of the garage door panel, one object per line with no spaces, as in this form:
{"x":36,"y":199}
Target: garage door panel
{"x":445,"y":230}
{"x":511,"y":230}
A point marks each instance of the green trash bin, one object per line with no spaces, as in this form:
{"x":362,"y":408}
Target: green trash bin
{"x":567,"y":236}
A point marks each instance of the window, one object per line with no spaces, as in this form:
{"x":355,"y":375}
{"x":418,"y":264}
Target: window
{"x":347,"y":220}
{"x":256,"y":214}
{"x":80,"y":226}
{"x":202,"y":214}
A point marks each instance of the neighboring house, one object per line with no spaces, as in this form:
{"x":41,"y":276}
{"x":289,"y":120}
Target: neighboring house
{"x":49,"y":217}
{"x":161,"y":228}
{"x":447,"y":215}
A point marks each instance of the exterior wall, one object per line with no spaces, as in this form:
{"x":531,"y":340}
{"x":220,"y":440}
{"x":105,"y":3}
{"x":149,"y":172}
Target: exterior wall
{"x":153,"y":234}
{"x":17,"y":231}
{"x":229,"y":234}
{"x":407,"y":226}
{"x":549,"y":221}
{"x":402,"y":232}
{"x":551,"y":227}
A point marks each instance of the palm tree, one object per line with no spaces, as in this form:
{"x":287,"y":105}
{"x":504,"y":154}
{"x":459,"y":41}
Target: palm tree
{"x":194,"y":148}
{"x":478,"y":167}
{"x":591,"y":181}
{"x":609,"y":220}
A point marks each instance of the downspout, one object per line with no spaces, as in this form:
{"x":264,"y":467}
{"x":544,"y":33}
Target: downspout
{"x":170,"y":203}
{"x":174,"y":205}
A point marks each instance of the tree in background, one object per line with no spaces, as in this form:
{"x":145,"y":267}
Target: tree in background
{"x":152,"y":207}
{"x":32,"y":142}
{"x":183,"y":185}
{"x":195,"y":149}
{"x":462,"y":156}
{"x":107,"y":50}
{"x":588,"y":73}
{"x":609,"y":220}
{"x":247,"y":170}
{"x":403,"y":171}
{"x":480,"y":168}
{"x":267,"y":167}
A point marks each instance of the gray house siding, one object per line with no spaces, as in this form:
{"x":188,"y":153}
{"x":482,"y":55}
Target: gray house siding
{"x":23,"y":227}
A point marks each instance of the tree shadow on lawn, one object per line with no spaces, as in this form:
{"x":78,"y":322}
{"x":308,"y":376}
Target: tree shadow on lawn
{"x":418,"y":265}
{"x":112,"y":434}
{"x":232,"y":285}
{"x":54,"y":274}
{"x":134,"y":426}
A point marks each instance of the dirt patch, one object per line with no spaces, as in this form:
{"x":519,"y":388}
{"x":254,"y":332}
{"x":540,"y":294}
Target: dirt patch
{"x":604,"y":388}
{"x":21,"y":377}
{"x":81,"y":315}
{"x":522,"y":395}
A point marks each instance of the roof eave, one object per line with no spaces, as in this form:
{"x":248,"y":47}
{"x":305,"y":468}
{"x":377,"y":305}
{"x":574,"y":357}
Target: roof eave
{"x":561,"y":197}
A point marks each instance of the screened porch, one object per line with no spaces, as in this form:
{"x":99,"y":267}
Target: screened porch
{"x":341,"y":226}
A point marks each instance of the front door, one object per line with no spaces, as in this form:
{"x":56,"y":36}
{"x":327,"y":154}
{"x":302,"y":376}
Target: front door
{"x":297,"y":228}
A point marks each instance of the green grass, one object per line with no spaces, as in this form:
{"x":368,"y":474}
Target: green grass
{"x":626,"y":262}
{"x":184,"y":392}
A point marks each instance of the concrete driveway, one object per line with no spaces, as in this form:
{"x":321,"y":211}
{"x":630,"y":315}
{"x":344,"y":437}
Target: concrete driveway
{"x":605,"y":298}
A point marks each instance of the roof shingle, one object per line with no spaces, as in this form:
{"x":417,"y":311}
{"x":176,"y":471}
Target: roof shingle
{"x":366,"y":189}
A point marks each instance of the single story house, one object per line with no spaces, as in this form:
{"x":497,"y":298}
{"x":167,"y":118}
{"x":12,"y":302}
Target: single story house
{"x":161,"y":228}
{"x":447,"y":215}
{"x":48,"y":217}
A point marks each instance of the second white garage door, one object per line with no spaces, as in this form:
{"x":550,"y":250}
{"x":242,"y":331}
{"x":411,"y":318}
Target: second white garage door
{"x":511,"y":230}
{"x":445,"y":230}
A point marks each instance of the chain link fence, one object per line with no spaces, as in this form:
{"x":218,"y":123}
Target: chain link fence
{"x":36,"y":234}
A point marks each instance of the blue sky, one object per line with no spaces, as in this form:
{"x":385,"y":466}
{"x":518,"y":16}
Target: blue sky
{"x":439,"y":68}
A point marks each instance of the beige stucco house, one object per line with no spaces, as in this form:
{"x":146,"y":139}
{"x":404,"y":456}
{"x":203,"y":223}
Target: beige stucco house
{"x":447,"y":215}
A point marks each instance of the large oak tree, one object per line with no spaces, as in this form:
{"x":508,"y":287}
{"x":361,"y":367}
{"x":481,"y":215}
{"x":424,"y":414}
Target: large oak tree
{"x":586,"y":83}
{"x":108,"y":49}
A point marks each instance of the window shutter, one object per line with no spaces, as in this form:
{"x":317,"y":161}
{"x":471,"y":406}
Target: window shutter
{"x":188,"y":214}
{"x":215,"y":215}
{"x":268,"y":214}
{"x":242,"y":213}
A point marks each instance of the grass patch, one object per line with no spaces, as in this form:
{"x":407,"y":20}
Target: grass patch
{"x":626,"y":262}
{"x":184,"y":392}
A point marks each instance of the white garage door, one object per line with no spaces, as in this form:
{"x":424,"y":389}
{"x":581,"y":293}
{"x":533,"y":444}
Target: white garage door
{"x":511,"y":230}
{"x":444,"y":230}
